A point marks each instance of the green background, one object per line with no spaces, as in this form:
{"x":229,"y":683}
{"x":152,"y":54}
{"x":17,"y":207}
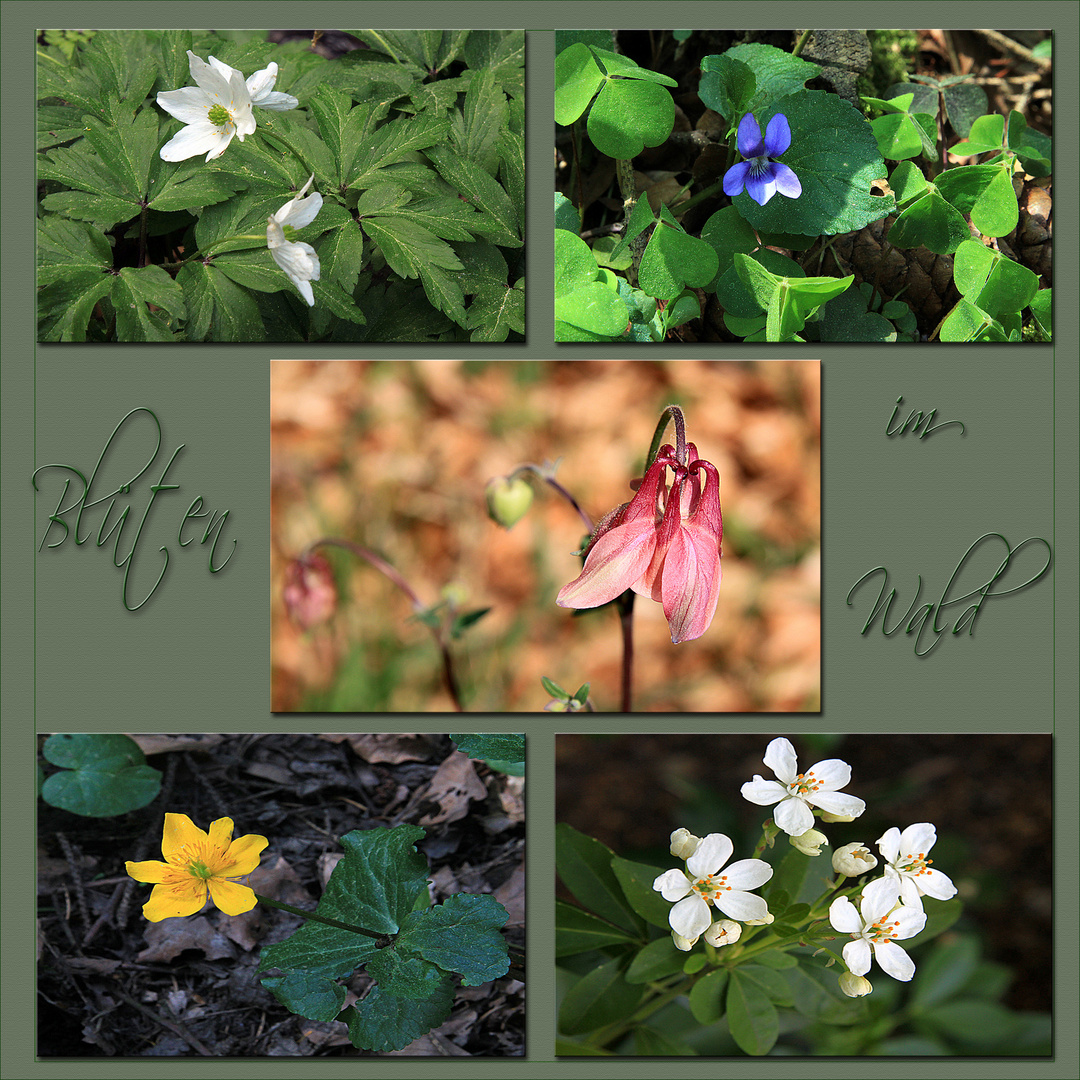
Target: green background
{"x":196,"y":657}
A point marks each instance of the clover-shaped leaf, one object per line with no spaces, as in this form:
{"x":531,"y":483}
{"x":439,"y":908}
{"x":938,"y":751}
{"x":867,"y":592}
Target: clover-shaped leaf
{"x":673,"y":260}
{"x":991,"y":281}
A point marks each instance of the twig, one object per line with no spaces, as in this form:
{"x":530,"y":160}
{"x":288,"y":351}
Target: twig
{"x":169,"y":1025}
{"x":995,"y":37}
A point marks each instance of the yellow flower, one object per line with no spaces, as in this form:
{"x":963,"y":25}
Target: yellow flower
{"x":196,"y":864}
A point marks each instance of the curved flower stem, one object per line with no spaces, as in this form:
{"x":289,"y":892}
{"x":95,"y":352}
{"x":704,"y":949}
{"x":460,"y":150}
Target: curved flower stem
{"x":675,"y":413}
{"x":545,"y":474}
{"x":625,"y":604}
{"x":390,"y":572}
{"x":384,"y":939}
{"x":801,"y":43}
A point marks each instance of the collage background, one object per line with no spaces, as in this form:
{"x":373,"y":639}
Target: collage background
{"x":196,"y":658}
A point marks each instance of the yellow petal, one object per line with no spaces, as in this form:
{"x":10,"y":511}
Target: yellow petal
{"x":242,"y":856}
{"x":220,"y":836}
{"x":152,"y":871}
{"x":179,"y":832}
{"x":233,"y":899}
{"x":170,"y":901}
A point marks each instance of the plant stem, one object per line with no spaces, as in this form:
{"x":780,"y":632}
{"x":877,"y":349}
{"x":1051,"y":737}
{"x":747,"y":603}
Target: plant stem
{"x":545,"y":474}
{"x":390,"y":572}
{"x":626,"y":624}
{"x":671,"y":412}
{"x":385,"y":939}
{"x":801,"y":42}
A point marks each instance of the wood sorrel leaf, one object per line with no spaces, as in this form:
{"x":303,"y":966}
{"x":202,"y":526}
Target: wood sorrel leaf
{"x":835,"y":155}
{"x":991,"y":281}
{"x":674,"y":259}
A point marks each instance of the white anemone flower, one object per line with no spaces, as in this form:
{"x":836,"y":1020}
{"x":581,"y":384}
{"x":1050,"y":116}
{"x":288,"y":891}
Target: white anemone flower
{"x":906,"y":863}
{"x":796,"y":792}
{"x":701,"y":887}
{"x":213,"y":111}
{"x":297,"y":259}
{"x":261,"y":87}
{"x":876,"y":926}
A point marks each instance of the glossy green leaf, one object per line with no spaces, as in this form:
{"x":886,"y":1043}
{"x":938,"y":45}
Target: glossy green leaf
{"x":728,"y":232}
{"x":986,"y":193}
{"x":637,"y":880}
{"x":135,"y":293}
{"x":71,"y":250}
{"x":650,"y":1042}
{"x":657,"y":960}
{"x":628,"y":115}
{"x":816,"y":994}
{"x":943,"y":972}
{"x":751,"y":1016}
{"x":834,"y":154}
{"x":578,"y":931}
{"x":728,"y":86}
{"x":105,"y":775}
{"x":708,"y":995}
{"x":1042,"y":309}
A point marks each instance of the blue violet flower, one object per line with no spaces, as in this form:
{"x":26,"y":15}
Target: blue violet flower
{"x":759,"y":174}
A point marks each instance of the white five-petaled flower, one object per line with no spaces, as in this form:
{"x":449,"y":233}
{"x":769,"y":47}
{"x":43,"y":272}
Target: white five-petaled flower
{"x":876,"y":926}
{"x":213,"y":111}
{"x":218,"y":107}
{"x":296,"y":258}
{"x":906,"y":863}
{"x":796,"y":792}
{"x":701,"y":886}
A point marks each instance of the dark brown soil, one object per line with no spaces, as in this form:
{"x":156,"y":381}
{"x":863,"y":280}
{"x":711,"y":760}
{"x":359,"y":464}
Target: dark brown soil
{"x":111,"y":984}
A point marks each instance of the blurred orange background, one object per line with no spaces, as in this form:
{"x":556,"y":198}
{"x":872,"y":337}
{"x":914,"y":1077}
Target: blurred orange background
{"x":395,"y":455}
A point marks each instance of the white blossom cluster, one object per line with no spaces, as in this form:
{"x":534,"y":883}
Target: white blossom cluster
{"x":889,"y":909}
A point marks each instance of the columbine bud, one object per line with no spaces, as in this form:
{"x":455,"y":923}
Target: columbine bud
{"x":854,"y":985}
{"x":684,"y":843}
{"x":310,"y":594}
{"x":681,"y":943}
{"x":852,"y":860}
{"x":723,"y":932}
{"x":809,"y":842}
{"x":761,"y":922}
{"x":834,"y":818}
{"x":508,"y":500}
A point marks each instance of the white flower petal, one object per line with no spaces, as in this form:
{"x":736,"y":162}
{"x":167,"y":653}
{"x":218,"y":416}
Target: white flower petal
{"x":837,"y":802}
{"x":909,"y":891}
{"x":918,"y":839}
{"x":277,"y":101}
{"x":763,"y":792}
{"x":889,"y":844}
{"x":832,"y":773}
{"x":742,"y":905}
{"x":711,"y":854}
{"x":793,"y":816}
{"x":907,"y":922}
{"x":936,"y":884}
{"x":189,"y":104}
{"x":857,"y":956}
{"x":878,"y":899}
{"x":672,"y":885}
{"x":196,"y":139}
{"x":892,"y":960}
{"x":262,"y":82}
{"x":780,"y":757}
{"x":748,"y":873}
{"x":690,"y":917}
{"x":844,"y":916}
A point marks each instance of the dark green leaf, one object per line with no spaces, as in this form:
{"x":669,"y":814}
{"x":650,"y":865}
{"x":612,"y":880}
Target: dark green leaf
{"x":490,"y":745}
{"x":637,"y":880}
{"x":657,"y":960}
{"x":384,"y":1022}
{"x":751,"y":1016}
{"x":108,"y":775}
{"x":707,"y":996}
{"x":602,"y":997}
{"x":584,"y":864}
{"x":578,"y":931}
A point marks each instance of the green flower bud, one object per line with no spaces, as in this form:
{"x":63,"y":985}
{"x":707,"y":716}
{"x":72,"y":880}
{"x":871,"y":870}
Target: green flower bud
{"x":508,"y":500}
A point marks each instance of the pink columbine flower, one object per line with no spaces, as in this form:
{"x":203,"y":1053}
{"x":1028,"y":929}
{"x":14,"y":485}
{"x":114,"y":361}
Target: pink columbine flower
{"x":664,"y":544}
